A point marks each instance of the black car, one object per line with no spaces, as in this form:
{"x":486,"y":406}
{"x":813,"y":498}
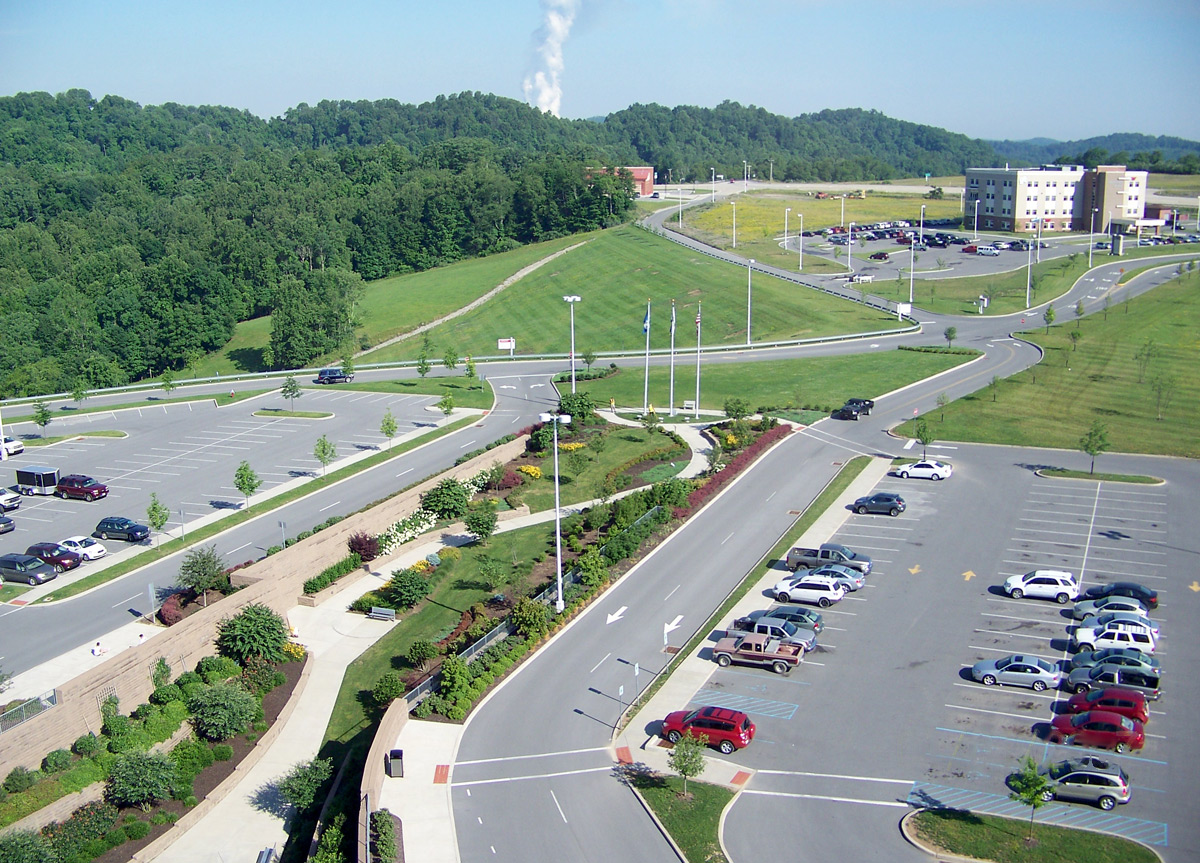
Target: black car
{"x":1144,"y":595}
{"x":881,"y":502}
{"x":863,"y":406}
{"x":845,"y":412}
{"x":334,"y":376}
{"x":25,"y":568}
{"x":959,"y":241}
{"x":119,"y":527}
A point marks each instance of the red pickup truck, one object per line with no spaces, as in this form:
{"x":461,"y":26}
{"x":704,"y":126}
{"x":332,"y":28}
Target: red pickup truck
{"x":758,"y":649}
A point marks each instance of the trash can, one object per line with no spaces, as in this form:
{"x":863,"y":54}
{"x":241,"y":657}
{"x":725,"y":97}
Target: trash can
{"x":393,"y":763}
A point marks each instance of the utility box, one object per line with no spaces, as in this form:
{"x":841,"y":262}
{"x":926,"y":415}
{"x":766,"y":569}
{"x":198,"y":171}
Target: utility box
{"x":267,"y":855}
{"x":37,"y":480}
{"x":393,"y":763}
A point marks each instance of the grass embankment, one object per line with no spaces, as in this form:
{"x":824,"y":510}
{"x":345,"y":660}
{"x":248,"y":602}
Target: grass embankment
{"x":1003,"y":840}
{"x":614,"y":274}
{"x":774,"y":383}
{"x":1054,"y":403}
{"x":466,"y":392}
{"x":692,"y":819}
{"x":1101,"y":477}
{"x":294,"y":415}
{"x":1176,"y":184}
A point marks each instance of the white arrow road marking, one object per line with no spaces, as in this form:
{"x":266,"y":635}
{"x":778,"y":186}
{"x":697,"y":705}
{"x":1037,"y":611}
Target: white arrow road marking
{"x":911,"y":441}
{"x":535,"y":386}
{"x":673,"y":625}
{"x":940,"y":446}
{"x":620,"y":611}
{"x":507,"y":387}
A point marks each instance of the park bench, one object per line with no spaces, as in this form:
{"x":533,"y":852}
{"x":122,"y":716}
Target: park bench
{"x":382,"y":614}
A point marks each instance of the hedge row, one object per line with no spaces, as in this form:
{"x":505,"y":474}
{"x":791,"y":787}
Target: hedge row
{"x":936,"y":349}
{"x":346,"y":565}
{"x":491,"y":446}
{"x":736,"y":465}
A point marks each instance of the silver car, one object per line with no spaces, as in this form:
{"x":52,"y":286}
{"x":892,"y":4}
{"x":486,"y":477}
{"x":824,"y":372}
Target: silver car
{"x":1095,"y":607}
{"x":1116,"y":677}
{"x":1090,"y":779}
{"x":1018,"y":670}
{"x":1121,"y":656}
{"x":850,"y":579}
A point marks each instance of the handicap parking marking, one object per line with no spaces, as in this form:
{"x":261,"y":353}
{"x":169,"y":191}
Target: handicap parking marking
{"x":747,"y":704}
{"x":931,"y":796}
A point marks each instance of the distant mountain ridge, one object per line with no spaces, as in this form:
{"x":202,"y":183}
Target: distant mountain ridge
{"x":1127,"y":145}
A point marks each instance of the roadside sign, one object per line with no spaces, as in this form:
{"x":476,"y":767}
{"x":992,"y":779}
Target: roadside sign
{"x":509,"y":345}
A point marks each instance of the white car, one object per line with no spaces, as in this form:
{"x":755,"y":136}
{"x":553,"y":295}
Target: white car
{"x":12,"y":446}
{"x":85,"y":547}
{"x":1043,"y":584}
{"x":1116,"y":634}
{"x":814,"y":589}
{"x":925,"y":470}
{"x":988,"y":251}
{"x":1112,"y":617}
{"x":1000,"y":244}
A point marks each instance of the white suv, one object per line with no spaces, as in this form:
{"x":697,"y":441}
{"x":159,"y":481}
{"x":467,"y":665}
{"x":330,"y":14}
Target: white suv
{"x":1043,"y":584}
{"x":814,"y":589}
{"x":1139,"y":636}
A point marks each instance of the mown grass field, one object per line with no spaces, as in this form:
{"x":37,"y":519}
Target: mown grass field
{"x":614,"y":274}
{"x":1054,"y":403}
{"x":1176,"y":184}
{"x":825,"y":381}
{"x":988,"y":837}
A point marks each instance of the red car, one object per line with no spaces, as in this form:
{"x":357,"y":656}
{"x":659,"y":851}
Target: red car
{"x":725,"y":729}
{"x":880,"y":256}
{"x":58,"y":556}
{"x":970,"y":250}
{"x":1100,"y":729}
{"x":1125,"y":702}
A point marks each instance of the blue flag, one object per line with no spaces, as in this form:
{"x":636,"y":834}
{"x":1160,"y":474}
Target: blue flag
{"x":672,"y":318}
{"x":646,"y":322}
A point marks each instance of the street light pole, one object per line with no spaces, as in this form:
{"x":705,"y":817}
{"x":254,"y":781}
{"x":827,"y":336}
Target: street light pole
{"x":786,"y":210}
{"x":565,"y":419}
{"x":1039,"y":240}
{"x":922,"y":223}
{"x":850,"y":248}
{"x":772,"y":161}
{"x":680,"y":187}
{"x":976,"y":219}
{"x":571,"y":301}
{"x":912,"y":267}
{"x":1028,"y":274}
{"x":1091,"y":236}
{"x":734,"y":205}
{"x":801,"y":244}
{"x":745,"y":175}
{"x":842,"y":221}
{"x":749,"y":289}
{"x":714,"y":184}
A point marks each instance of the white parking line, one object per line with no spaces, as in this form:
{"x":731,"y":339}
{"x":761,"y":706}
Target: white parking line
{"x":1046,"y":656}
{"x":835,"y":776}
{"x":1016,"y":634}
{"x":991,"y":712}
{"x":1008,"y":690}
{"x":894,"y":804}
{"x":1047,"y":621}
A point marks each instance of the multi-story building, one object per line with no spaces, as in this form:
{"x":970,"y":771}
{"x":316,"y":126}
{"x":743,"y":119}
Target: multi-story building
{"x":1059,"y":197}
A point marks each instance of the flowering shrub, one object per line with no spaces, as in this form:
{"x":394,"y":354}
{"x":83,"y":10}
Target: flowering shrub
{"x":511,"y":479}
{"x":293,"y":652}
{"x":171,"y":612}
{"x":571,"y":447}
{"x":731,"y":440}
{"x":421,"y":567}
{"x":405,"y":530}
{"x":715,"y":483}
{"x":531,"y":470}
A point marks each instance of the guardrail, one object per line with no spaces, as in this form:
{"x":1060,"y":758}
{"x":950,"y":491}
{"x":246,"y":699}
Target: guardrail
{"x":10,"y":719}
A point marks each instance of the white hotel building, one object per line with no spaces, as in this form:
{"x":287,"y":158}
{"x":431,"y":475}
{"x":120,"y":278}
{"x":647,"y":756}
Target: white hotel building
{"x":1061,"y":197}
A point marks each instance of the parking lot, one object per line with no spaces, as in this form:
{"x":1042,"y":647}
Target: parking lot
{"x":885,"y":715}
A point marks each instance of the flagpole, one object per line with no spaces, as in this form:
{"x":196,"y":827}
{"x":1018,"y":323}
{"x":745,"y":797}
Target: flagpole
{"x":646,"y":387}
{"x":697,"y":360}
{"x":672,"y":358}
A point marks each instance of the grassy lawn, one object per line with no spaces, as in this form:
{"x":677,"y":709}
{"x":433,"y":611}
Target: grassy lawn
{"x":691,"y":820}
{"x":43,"y":440}
{"x":11,"y":591}
{"x":775,"y":383}
{"x":1054,"y":403}
{"x":1004,"y":840}
{"x":615,"y":273}
{"x":1102,"y":477}
{"x":300,"y":415}
{"x":466,"y":392}
{"x":1176,"y":184}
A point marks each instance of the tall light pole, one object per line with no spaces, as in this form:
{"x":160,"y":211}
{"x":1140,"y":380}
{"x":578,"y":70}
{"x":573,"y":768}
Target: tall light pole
{"x":565,"y":419}
{"x":680,"y":187}
{"x":749,"y":290}
{"x":850,"y":248}
{"x":801,"y":243}
{"x":772,"y":161}
{"x":1091,"y":236}
{"x":734,"y":205}
{"x":912,"y":268}
{"x":786,"y":210}
{"x":571,"y":301}
{"x":3,"y":448}
{"x":977,"y":219}
{"x":922,"y":223}
{"x":745,"y":175}
{"x":842,"y":221}
{"x":1039,"y":240}
{"x":714,"y":182}
{"x":1029,"y":268}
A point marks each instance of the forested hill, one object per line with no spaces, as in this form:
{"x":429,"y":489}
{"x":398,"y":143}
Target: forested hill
{"x":1163,"y":153}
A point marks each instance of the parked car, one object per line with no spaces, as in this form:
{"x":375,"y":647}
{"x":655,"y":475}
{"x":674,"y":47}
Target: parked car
{"x":802,"y":557}
{"x":12,"y":446}
{"x":920,"y":247}
{"x":1110,"y":617}
{"x":1098,"y":728}
{"x":58,"y":556}
{"x":798,"y":615}
{"x":925,"y":470}
{"x":880,"y":256}
{"x":1126,"y":657}
{"x":25,"y":568}
{"x":1090,"y":779}
{"x":988,"y":251}
{"x":1126,"y":702}
{"x":1115,"y":634}
{"x":809,"y":589}
{"x":1114,"y":676}
{"x":9,"y":500}
{"x":846,"y":412}
{"x":725,"y":729}
{"x":784,"y":630}
{"x":119,"y":527}
{"x":1017,"y":670}
{"x":1043,"y":584}
{"x":863,"y":406}
{"x":1001,"y":245}
{"x":1089,"y":607}
{"x":850,"y":579}
{"x":7,"y":525}
{"x":880,"y":502}
{"x":758,"y":649}
{"x":85,"y":547}
{"x":80,"y":487}
{"x":1144,"y":595}
{"x":334,"y":376}
{"x":970,"y":249}
{"x":959,"y":241}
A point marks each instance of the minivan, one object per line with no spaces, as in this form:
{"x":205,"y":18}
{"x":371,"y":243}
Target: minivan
{"x":334,"y":376}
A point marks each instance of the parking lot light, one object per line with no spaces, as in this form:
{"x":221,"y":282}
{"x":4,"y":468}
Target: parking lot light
{"x":922,"y":223}
{"x":1092,"y":236}
{"x":571,"y":301}
{"x":786,"y":210}
{"x":749,"y":291}
{"x":850,"y":248}
{"x":801,"y":243}
{"x":564,"y":419}
{"x":734,"y":205}
{"x":976,"y":220}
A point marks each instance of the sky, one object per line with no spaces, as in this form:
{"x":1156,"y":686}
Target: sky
{"x":1017,"y":69}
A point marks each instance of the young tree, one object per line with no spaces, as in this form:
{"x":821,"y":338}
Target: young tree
{"x":79,"y":391}
{"x":531,"y":618}
{"x":950,"y":334}
{"x":447,"y":499}
{"x":687,"y":756}
{"x":446,"y":404}
{"x":1094,"y":442}
{"x":299,"y":786}
{"x":256,"y":630}
{"x":423,"y":364}
{"x":388,"y":427}
{"x":470,"y":368}
{"x":491,"y":570}
{"x":1107,"y":303}
{"x":167,"y":382}
{"x":42,"y":416}
{"x":1143,"y":357}
{"x":450,"y":359}
{"x":1048,"y":316}
{"x":589,"y":357}
{"x":246,"y":480}
{"x":388,"y":688}
{"x":1078,"y":313}
{"x":1031,"y":788}
{"x":202,"y":570}
{"x":291,"y":391}
{"x":1163,"y":387}
{"x":994,"y":383}
{"x":481,"y":522}
{"x":924,"y":434}
{"x":1074,"y":336}
{"x":348,"y":363}
{"x":737,"y":408}
{"x":325,"y":452}
{"x":222,"y":710}
{"x":139,"y":779}
{"x":420,"y":653}
{"x":157,"y":513}
{"x":942,"y":401}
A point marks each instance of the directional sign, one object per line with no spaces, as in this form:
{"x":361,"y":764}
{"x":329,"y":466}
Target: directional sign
{"x":617,"y":616}
{"x":1194,"y":587}
{"x":913,"y":570}
{"x":968,"y":575}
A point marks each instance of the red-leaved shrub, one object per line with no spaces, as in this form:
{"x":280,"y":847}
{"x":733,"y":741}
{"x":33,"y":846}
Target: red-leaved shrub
{"x":511,"y":479}
{"x":715,"y":483}
{"x":364,"y":545}
{"x":172,"y":611}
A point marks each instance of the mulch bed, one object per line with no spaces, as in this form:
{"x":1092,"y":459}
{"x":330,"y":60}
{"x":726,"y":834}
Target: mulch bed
{"x":210,"y":778}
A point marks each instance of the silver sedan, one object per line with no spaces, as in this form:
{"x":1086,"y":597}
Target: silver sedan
{"x":1017,"y":670}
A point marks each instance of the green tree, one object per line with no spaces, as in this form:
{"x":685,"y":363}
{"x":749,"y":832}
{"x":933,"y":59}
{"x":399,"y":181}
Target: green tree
{"x":246,"y":481}
{"x":1048,"y":316}
{"x":388,"y":427}
{"x":481,"y":522}
{"x":589,"y":358}
{"x":325,"y":452}
{"x":25,"y":846}
{"x":1094,"y":442}
{"x":42,"y":416}
{"x":157,"y":513}
{"x":1143,"y":357}
{"x":348,"y":363}
{"x":491,"y":570}
{"x":942,"y":401}
{"x":420,"y":653}
{"x":423,"y":364}
{"x":924,"y":434}
{"x":446,"y":404}
{"x":935,"y":194}
{"x":1163,"y":387}
{"x":139,"y":779}
{"x":994,"y":384}
{"x":531,"y":618}
{"x":1031,"y":788}
{"x":1079,"y":311}
{"x":577,"y":462}
{"x":470,"y":368}
{"x":79,"y":391}
{"x":202,"y":570}
{"x":291,"y":391}
{"x":737,"y":408}
{"x":450,"y":359}
{"x":388,"y":688}
{"x":687,"y":756}
{"x":299,"y":786}
{"x":1074,"y":336}
{"x":950,"y":334}
{"x":166,"y":382}
{"x":1107,"y":303}
{"x":256,"y":630}
{"x":580,"y":405}
{"x":593,"y":567}
{"x":448,"y":499}
{"x":222,"y":710}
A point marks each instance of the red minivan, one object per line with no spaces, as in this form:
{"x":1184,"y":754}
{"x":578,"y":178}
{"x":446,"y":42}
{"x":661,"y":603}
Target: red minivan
{"x":725,"y":729}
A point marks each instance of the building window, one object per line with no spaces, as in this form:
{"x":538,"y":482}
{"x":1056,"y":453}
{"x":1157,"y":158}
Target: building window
{"x":987,"y":223}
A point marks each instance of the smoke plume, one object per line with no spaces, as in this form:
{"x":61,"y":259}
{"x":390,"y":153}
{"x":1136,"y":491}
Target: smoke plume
{"x":542,"y":87}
